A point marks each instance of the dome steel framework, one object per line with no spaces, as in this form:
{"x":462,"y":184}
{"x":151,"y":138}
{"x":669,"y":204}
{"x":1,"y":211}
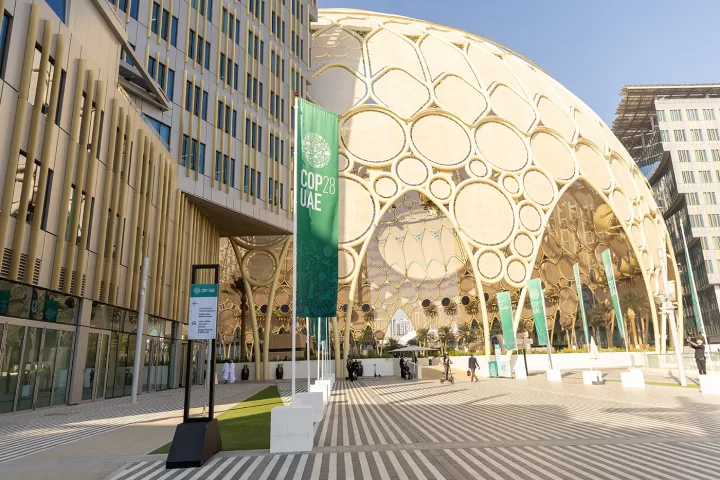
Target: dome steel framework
{"x":464,"y":170}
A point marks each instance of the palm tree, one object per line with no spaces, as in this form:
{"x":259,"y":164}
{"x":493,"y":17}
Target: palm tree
{"x":466,"y":334}
{"x":631,"y":300}
{"x":421,"y":335}
{"x":446,"y":336}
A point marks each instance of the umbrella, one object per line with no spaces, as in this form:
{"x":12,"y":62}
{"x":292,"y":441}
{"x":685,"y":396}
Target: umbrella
{"x":412,"y":348}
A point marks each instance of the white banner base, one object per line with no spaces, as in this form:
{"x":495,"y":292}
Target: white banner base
{"x":554,"y":376}
{"x":291,"y":429}
{"x":710,"y":384}
{"x":633,"y":378}
{"x":590,"y":376}
{"x":322,"y":389}
{"x":313,"y":400}
{"x":520,"y":373}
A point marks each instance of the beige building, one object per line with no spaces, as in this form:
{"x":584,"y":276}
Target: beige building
{"x":132,"y":129}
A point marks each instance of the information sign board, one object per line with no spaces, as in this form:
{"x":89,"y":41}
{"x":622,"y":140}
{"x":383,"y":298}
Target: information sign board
{"x":203,"y":311}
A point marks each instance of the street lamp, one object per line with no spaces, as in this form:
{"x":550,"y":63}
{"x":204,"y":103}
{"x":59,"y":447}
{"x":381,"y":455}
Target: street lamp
{"x":667,"y":308}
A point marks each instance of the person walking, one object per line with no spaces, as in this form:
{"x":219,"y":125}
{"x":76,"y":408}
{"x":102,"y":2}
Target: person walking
{"x":226,"y":371}
{"x":446,"y":365}
{"x":699,"y":348}
{"x":473,"y":365}
{"x":231,"y":377}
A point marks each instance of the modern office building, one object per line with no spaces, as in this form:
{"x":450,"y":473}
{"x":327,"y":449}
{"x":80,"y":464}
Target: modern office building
{"x":671,"y":132}
{"x":464,"y":170}
{"x":132,"y":129}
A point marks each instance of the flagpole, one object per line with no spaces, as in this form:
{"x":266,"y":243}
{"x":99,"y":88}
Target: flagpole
{"x":693,"y":297}
{"x":317,"y":334}
{"x":307,"y":355}
{"x":295,"y":252}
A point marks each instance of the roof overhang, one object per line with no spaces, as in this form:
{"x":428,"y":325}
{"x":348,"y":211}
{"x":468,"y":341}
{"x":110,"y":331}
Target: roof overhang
{"x":146,"y":86}
{"x":232,"y":223}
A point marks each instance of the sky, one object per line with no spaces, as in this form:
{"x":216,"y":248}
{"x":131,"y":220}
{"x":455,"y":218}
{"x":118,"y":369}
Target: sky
{"x":592,"y":47}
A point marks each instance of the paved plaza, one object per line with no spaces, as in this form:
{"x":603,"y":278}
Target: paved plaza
{"x":393,"y":429}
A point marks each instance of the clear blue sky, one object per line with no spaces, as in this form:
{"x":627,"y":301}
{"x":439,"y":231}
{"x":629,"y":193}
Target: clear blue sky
{"x":593,"y":47}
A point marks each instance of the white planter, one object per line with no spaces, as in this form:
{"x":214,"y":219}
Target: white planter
{"x":590,"y":376}
{"x":710,"y":384}
{"x":633,"y":378}
{"x":554,"y":376}
{"x":291,"y":429}
{"x":322,"y":389}
{"x":313,"y":400}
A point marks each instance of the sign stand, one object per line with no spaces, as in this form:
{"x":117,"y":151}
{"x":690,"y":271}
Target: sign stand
{"x":523,"y":342}
{"x":197,"y":439}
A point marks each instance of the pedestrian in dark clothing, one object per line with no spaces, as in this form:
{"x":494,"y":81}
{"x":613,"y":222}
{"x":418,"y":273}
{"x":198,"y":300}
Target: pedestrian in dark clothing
{"x":446,"y":365}
{"x":402,"y":368}
{"x":699,"y":348}
{"x":473,"y":365}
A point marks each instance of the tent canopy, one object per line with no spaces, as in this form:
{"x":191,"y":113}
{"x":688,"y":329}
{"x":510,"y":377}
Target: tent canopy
{"x":412,"y":348}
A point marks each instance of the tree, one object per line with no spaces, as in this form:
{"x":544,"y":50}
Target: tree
{"x":638,"y":304}
{"x":446,"y":336}
{"x":421,"y":335}
{"x":466,"y":334}
{"x":596,"y":319}
{"x":432,"y":338}
{"x":392,"y":344}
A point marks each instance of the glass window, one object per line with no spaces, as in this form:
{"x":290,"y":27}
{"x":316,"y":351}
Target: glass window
{"x":232,"y":172}
{"x":165,"y":25}
{"x":202,"y":159}
{"x":235,"y":76}
{"x":218,"y":157}
{"x":185,"y":150}
{"x":58,"y":6}
{"x":11,"y":362}
{"x":226,"y":168}
{"x":247,"y":131}
{"x":151,"y":66}
{"x":155,"y":19}
{"x":196,"y":106}
{"x":161,"y":76}
{"x":191,"y":44}
{"x":220,"y":108}
{"x":204,"y":105}
{"x":188,"y":95}
{"x":222,"y":66}
{"x":174,"y":31}
{"x":193,"y":154}
{"x":207,"y":55}
{"x":246,"y":179}
{"x":171,"y":84}
{"x":252,"y":181}
{"x":5,"y":28}
{"x":234,"y":123}
{"x":162,"y":129}
{"x":259,"y":184}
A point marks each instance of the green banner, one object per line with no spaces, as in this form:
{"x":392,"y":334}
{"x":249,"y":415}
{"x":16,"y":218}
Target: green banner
{"x":581,"y":302}
{"x":693,"y":290}
{"x":537,"y":303}
{"x":505,"y":310}
{"x":610,"y":274}
{"x":316,"y":210}
{"x":51,"y":310}
{"x":4,"y":301}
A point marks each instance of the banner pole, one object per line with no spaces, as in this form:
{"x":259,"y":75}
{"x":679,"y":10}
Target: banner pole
{"x":295,"y":227}
{"x":307,"y":355}
{"x":317,"y":335}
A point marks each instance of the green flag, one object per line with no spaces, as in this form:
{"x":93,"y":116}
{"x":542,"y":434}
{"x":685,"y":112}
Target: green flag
{"x":610,"y":274}
{"x":693,"y":290}
{"x":578,"y":285}
{"x":505,"y":310}
{"x":537,"y":303}
{"x":316,"y":211}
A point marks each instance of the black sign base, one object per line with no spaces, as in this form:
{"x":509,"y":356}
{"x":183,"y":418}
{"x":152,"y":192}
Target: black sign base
{"x":194,"y":443}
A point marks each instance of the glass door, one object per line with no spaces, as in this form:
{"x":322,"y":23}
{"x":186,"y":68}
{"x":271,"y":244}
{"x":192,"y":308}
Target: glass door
{"x":10,"y":366}
{"x":90,"y":365}
{"x":63,"y":361}
{"x":47,"y":368}
{"x":29,"y":367}
{"x":101,"y":367}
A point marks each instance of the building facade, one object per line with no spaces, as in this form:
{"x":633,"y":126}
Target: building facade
{"x":132,"y":130}
{"x":671,"y":131}
{"x":465,"y":170}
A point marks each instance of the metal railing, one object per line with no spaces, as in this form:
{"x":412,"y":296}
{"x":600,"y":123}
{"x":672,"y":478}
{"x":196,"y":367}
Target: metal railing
{"x":669,"y":360}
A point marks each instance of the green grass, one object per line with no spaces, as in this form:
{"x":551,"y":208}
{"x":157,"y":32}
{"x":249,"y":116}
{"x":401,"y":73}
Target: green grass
{"x":246,"y":426}
{"x":664,"y":384}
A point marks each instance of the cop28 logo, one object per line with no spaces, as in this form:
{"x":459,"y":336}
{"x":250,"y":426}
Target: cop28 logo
{"x":534,"y":294}
{"x":316,"y":151}
{"x":196,"y":290}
